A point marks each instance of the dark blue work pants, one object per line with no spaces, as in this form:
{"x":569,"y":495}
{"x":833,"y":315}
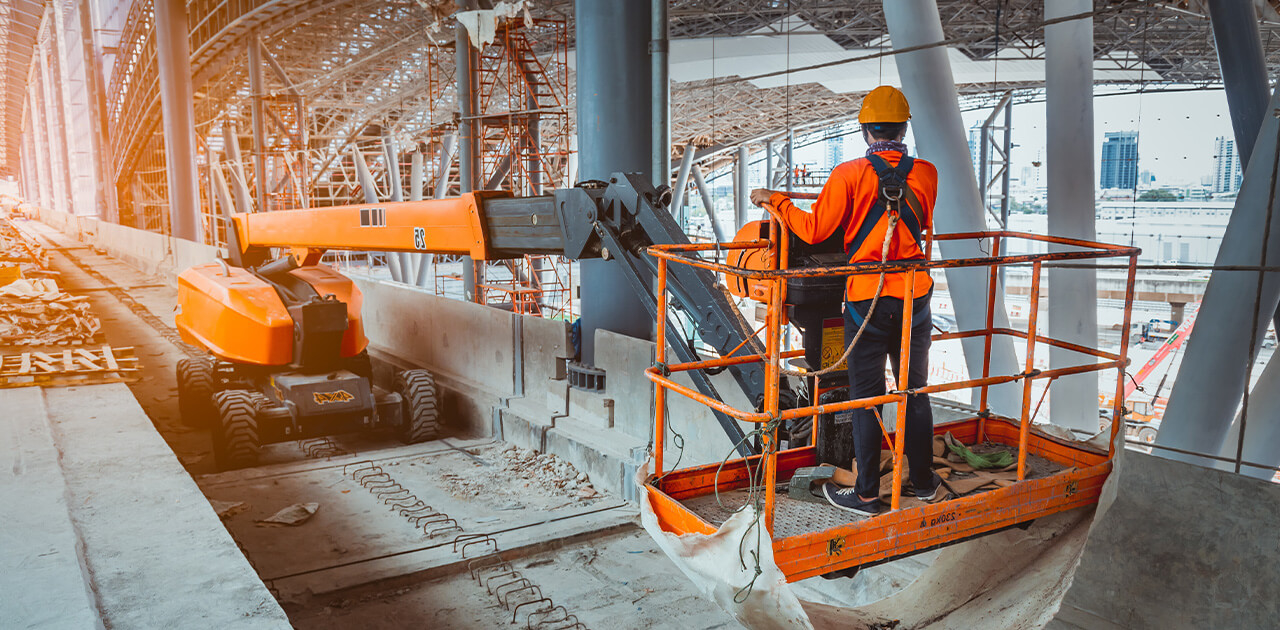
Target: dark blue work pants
{"x":882,"y":337}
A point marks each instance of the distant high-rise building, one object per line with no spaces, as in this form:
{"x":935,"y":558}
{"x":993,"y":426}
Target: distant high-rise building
{"x":835,"y":152}
{"x":1119,"y":160}
{"x":975,"y":146}
{"x":1146,"y":178}
{"x":1226,"y":166}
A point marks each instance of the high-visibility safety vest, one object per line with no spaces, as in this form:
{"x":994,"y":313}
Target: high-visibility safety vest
{"x":853,"y":199}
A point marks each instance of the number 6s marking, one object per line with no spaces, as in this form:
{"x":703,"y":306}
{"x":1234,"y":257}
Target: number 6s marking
{"x":419,"y":238}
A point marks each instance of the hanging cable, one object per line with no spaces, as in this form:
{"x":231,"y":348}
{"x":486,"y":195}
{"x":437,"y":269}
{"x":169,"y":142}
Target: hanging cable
{"x":1142,"y":86}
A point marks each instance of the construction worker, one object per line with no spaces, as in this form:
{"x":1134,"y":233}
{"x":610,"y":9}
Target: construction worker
{"x":864,"y":197}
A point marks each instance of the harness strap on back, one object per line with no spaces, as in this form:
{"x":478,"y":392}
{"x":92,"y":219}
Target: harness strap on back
{"x":893,"y":180}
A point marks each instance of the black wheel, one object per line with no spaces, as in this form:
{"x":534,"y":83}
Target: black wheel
{"x":419,"y":411}
{"x":195,"y":392}
{"x":236,"y":440}
{"x":1147,"y":435}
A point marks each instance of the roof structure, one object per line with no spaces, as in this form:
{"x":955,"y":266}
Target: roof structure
{"x":742,"y":70}
{"x":19,"y":24}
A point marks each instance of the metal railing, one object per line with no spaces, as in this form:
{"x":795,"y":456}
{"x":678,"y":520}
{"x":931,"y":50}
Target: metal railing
{"x":769,"y":286}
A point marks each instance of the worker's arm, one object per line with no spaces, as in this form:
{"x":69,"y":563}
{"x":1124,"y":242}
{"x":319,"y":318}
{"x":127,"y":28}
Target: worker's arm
{"x":828,"y":213}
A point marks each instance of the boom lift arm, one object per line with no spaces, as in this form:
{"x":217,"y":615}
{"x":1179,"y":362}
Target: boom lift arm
{"x":615,"y":220}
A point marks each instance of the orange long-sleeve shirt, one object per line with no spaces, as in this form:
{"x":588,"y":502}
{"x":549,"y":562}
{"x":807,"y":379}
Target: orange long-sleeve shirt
{"x":845,"y":200}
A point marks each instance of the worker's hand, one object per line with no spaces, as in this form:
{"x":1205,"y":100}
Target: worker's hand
{"x":760,"y":197}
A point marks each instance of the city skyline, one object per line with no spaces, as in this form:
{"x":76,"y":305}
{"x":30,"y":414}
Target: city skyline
{"x":1176,"y":132}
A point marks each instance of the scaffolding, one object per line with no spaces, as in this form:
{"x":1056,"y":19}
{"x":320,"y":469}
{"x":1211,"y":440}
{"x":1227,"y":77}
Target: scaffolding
{"x":523,"y":92}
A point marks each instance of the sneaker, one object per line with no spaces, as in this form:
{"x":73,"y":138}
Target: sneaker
{"x":935,"y":493}
{"x":848,"y":500}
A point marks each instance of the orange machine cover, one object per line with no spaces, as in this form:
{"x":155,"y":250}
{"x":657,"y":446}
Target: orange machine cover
{"x":239,"y":317}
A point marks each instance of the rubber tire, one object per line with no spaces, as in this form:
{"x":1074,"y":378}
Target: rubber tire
{"x":195,"y":393}
{"x":419,"y":406}
{"x":236,"y":438}
{"x":1147,"y":435}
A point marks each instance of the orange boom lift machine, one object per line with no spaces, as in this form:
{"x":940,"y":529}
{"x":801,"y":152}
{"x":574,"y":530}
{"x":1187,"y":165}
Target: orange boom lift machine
{"x":286,"y":349}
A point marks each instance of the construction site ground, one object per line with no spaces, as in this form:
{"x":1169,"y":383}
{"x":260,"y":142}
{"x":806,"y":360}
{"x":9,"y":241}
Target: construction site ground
{"x":358,"y":561}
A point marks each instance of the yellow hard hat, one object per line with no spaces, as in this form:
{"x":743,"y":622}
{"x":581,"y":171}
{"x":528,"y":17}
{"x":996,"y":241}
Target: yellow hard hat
{"x":885,"y":104}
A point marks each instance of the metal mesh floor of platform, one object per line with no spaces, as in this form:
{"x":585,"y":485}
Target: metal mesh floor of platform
{"x":794,"y":517}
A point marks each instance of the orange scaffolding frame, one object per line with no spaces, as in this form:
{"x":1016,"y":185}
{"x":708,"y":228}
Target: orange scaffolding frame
{"x":902,"y":531}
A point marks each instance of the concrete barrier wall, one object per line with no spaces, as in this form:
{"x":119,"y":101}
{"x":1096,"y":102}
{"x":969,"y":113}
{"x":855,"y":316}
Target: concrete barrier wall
{"x":1174,"y":545}
{"x":624,"y":360}
{"x":149,"y":252}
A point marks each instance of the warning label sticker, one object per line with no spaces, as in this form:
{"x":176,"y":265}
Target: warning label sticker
{"x":832,"y":341}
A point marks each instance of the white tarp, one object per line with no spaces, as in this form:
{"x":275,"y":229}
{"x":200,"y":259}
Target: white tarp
{"x":482,"y":25}
{"x":1010,"y":579}
{"x":721,"y":564}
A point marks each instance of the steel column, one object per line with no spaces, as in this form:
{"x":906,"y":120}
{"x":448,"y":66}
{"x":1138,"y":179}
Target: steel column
{"x":177,"y":107}
{"x":448,"y":150}
{"x":708,"y":202}
{"x":768,"y":164}
{"x":1244,"y":75}
{"x":371,"y":196}
{"x":791,"y":161}
{"x":71,"y":165}
{"x":1244,"y":69}
{"x":742,"y":188}
{"x":1073,"y":293}
{"x":615,"y":106}
{"x":468,"y":149}
{"x":1233,"y":317}
{"x":231,"y":140}
{"x":417,"y":170}
{"x":391,"y":155}
{"x":96,"y":83}
{"x":940,"y":135}
{"x":258,"y":112}
{"x":661,"y":106}
{"x":679,"y":194}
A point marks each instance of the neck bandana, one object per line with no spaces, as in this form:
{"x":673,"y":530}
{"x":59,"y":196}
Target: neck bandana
{"x":887,"y":145}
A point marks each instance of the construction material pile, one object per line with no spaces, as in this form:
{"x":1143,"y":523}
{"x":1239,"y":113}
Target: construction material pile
{"x":36,"y":312}
{"x":20,"y":255}
{"x":18,"y":249}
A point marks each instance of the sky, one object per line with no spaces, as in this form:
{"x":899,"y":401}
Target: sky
{"x":1176,"y":131}
{"x":1175,"y":142}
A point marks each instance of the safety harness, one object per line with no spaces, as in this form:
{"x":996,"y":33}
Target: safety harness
{"x":893,"y":191}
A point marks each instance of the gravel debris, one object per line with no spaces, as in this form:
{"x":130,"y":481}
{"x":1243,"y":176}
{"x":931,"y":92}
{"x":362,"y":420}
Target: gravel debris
{"x":516,"y":472}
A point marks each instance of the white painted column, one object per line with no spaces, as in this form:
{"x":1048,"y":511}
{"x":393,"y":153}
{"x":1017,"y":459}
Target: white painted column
{"x":940,"y":135}
{"x":1073,"y":293}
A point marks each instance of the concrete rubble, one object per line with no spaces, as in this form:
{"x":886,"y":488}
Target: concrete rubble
{"x":523,"y":470}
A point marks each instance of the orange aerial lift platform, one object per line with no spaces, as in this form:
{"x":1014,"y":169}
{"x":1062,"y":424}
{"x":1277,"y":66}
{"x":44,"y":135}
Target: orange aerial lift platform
{"x":811,"y":539}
